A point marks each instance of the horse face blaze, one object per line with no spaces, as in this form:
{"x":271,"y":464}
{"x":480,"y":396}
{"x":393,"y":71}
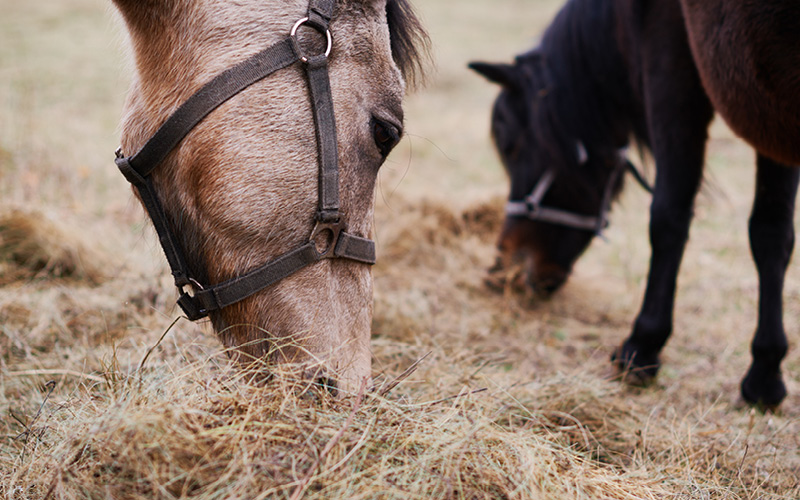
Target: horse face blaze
{"x":242,"y":187}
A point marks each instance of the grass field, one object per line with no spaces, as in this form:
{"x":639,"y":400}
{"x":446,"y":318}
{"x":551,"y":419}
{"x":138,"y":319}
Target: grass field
{"x":101,"y":397}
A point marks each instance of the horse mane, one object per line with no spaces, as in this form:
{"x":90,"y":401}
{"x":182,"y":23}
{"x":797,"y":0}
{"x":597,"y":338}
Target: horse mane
{"x":409,"y":40}
{"x":581,"y":85}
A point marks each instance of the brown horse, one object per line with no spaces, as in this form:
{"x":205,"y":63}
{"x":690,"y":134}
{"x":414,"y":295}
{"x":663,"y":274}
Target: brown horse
{"x":655,"y":70}
{"x":243,"y":186}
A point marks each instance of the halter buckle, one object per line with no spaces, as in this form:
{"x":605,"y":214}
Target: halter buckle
{"x":193,"y":285}
{"x":325,"y":236}
{"x":296,"y":43}
{"x":190,"y":302}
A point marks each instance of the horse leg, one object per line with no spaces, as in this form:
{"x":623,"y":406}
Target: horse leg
{"x":771,"y":242}
{"x":670,"y":217}
{"x":678,"y":113}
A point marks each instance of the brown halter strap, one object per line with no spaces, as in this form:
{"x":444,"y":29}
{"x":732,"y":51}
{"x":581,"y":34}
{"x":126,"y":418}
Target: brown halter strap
{"x":138,"y":168}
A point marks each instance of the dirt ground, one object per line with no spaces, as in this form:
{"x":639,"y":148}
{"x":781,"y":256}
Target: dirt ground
{"x":101,"y":396}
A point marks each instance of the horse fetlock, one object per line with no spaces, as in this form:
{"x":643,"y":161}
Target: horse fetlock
{"x":769,"y":355}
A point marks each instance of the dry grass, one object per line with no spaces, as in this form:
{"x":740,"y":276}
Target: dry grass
{"x":34,"y":245}
{"x":100,"y":397}
{"x":207,"y":432}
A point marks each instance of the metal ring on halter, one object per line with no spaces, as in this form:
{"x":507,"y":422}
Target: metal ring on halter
{"x":293,"y":34}
{"x":197,"y":286}
{"x":327,"y":251}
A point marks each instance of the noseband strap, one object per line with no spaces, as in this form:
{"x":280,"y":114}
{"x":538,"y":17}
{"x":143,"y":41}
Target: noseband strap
{"x":531,"y":207}
{"x":328,"y":239}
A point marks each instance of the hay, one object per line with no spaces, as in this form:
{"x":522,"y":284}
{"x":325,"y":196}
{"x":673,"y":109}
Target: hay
{"x":489,"y":413}
{"x":32,"y":244}
{"x":233,"y":439}
{"x":513,"y":400}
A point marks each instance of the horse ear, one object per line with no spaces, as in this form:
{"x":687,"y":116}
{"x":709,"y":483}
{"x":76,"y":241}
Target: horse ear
{"x":503,"y":74}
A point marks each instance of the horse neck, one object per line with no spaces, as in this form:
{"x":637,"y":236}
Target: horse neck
{"x":593,"y":95}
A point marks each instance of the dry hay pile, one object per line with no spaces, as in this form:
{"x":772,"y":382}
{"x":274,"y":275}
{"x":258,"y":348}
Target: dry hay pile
{"x":128,"y":407}
{"x":33,"y":244}
{"x":204,"y":432}
{"x":511,"y":398}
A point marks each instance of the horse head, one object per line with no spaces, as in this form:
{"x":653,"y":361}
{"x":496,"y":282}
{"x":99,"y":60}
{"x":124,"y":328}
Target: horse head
{"x":561,"y":183}
{"x":243,"y":187}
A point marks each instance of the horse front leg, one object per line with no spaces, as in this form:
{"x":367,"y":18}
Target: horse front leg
{"x":678,"y":178}
{"x":678,"y":113}
{"x":771,"y":242}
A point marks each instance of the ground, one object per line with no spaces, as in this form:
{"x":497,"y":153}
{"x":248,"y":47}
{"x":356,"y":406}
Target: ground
{"x":101,"y":396}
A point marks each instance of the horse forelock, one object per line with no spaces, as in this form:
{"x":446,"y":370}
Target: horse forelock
{"x":409,"y":40}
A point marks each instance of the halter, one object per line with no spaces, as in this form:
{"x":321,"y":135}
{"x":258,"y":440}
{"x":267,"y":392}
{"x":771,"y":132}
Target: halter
{"x":329,"y":238}
{"x":531,"y":207}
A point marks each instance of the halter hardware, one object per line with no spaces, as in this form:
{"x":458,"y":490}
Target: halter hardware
{"x":293,"y":35}
{"x":329,"y":223}
{"x":330,"y":231}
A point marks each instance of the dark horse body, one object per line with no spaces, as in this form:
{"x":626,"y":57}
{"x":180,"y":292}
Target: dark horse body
{"x":656,"y":70}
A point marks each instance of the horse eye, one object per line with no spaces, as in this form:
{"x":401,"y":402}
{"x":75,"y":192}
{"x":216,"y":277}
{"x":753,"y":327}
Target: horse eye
{"x":385,"y":135}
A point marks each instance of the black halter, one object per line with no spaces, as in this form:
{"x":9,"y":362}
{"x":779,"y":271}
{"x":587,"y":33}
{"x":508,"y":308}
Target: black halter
{"x":328,"y":239}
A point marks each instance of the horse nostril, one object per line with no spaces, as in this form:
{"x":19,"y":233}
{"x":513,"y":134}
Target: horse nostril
{"x":551,"y":286}
{"x":329,"y":384}
{"x":547,"y":285}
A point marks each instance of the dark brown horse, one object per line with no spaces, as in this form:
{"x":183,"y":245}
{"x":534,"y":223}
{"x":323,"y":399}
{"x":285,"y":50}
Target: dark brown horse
{"x":654,"y":70}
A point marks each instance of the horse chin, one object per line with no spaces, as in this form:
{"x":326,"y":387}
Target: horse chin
{"x":343,"y":372}
{"x":523,"y":272}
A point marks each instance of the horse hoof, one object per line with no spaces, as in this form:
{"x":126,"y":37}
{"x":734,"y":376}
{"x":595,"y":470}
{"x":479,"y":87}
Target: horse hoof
{"x":634,"y":368}
{"x":763,"y":390}
{"x":742,"y":404}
